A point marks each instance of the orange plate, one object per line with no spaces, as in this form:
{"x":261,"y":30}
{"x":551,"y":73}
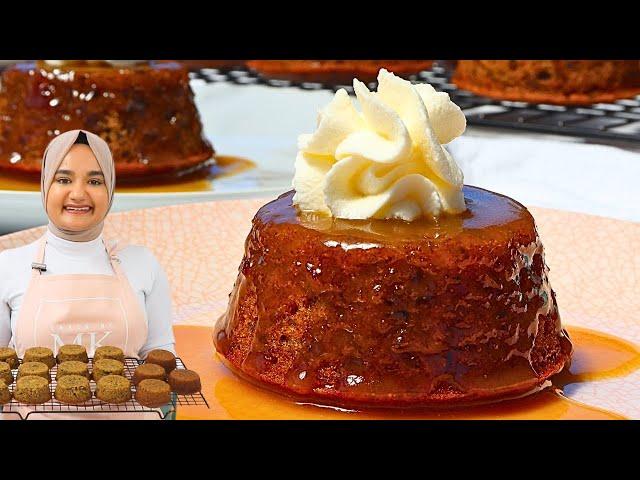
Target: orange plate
{"x":597,"y":356}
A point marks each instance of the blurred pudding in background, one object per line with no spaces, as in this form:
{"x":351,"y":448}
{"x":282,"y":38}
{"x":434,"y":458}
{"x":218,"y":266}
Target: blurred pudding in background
{"x":563,"y":82}
{"x":218,"y":64}
{"x":334,"y":71}
{"x":145,"y":110}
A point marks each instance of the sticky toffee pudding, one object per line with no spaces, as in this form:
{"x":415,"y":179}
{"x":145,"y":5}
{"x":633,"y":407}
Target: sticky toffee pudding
{"x":145,"y":111}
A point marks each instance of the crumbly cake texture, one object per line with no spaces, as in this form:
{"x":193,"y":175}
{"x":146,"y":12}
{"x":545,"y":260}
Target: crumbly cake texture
{"x":114,"y":353}
{"x":37,"y":369}
{"x":73,"y":389}
{"x":380,"y":313}
{"x":9,"y":356}
{"x":164,"y":358}
{"x":5,"y":373}
{"x":148,"y":371}
{"x":107,"y":366}
{"x":72,"y":353}
{"x":5,"y":393}
{"x":564,"y":82}
{"x":113,"y":389}
{"x":32,"y":390}
{"x":153,"y":393}
{"x":72,"y":367}
{"x":39,"y":354}
{"x":184,"y":382}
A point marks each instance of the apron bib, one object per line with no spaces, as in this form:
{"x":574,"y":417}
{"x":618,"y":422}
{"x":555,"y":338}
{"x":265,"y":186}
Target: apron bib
{"x":89,"y":310}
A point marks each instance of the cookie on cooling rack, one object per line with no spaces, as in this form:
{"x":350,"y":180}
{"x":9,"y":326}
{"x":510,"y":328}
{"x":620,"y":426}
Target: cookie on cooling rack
{"x":562,"y":82}
{"x":73,"y":389}
{"x":9,"y":356}
{"x":5,"y":373}
{"x":39,"y":354}
{"x":164,"y":358}
{"x":148,"y":371}
{"x":114,"y":353}
{"x":184,"y":382}
{"x":32,"y":390}
{"x":113,"y":389}
{"x":107,"y":366}
{"x":72,"y":367}
{"x":34,"y":369}
{"x":77,"y":353}
{"x":153,"y":393}
{"x":5,"y":393}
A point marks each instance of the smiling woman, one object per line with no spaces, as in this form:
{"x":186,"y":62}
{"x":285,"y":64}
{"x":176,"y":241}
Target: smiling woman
{"x":82,"y":289}
{"x":75,"y":190}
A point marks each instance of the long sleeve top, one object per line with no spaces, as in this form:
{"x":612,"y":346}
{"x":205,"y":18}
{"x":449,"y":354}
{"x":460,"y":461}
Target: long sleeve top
{"x":145,"y":274}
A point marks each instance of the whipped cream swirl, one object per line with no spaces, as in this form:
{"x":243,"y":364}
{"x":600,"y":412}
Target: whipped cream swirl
{"x":386,"y":161}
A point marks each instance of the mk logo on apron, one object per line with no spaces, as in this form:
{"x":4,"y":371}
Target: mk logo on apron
{"x":84,"y":321}
{"x":87,"y":339}
{"x":90,"y":310}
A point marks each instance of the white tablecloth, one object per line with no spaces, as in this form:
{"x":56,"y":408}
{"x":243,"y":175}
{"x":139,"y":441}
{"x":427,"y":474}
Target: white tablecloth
{"x":596,"y":179}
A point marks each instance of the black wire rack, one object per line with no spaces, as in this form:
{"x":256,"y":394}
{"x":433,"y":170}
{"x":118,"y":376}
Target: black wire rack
{"x":618,"y":121}
{"x":95,"y":405}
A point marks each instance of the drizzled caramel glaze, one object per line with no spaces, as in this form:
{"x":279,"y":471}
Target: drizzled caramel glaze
{"x":596,"y":356}
{"x":379,"y":313}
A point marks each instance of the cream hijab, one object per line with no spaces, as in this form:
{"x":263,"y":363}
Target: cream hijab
{"x":51,"y":160}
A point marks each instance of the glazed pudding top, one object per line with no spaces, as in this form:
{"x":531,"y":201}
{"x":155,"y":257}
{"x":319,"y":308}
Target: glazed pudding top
{"x":487,"y":215}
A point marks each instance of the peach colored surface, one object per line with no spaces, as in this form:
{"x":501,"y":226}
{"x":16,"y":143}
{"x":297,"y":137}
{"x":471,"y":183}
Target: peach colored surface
{"x":594,"y":261}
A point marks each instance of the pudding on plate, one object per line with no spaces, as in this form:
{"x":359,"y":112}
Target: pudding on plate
{"x":384,"y":281}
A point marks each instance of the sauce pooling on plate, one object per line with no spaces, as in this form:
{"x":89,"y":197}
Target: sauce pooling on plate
{"x":597,"y":356}
{"x":198,"y":180}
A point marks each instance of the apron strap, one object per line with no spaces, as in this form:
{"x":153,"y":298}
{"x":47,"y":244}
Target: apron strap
{"x":112,"y":248}
{"x":38,"y":266}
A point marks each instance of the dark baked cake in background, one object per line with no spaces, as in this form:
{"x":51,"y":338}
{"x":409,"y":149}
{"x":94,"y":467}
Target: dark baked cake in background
{"x":145,"y":112}
{"x":564,"y":82}
{"x":218,"y":64}
{"x":334,"y":71}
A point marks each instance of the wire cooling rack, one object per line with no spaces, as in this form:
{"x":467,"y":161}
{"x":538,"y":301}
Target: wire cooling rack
{"x":619,"y":120}
{"x":95,"y":405}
